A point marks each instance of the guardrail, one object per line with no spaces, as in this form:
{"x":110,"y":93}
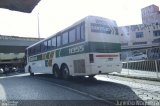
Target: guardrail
{"x":146,"y":68}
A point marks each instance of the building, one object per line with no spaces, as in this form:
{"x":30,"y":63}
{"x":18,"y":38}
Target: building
{"x":144,"y":37}
{"x":150,"y":14}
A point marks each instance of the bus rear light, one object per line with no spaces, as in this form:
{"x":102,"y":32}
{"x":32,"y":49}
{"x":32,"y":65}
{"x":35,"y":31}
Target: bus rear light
{"x":91,"y":58}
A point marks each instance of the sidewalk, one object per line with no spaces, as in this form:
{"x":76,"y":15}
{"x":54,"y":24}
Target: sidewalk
{"x":138,"y":74}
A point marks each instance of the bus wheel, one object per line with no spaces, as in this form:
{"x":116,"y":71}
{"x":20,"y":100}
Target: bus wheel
{"x":30,"y":71}
{"x":65,"y":71}
{"x":56,"y":71}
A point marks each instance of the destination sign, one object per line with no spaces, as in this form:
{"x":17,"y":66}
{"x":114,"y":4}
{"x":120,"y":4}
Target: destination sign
{"x":100,"y":26}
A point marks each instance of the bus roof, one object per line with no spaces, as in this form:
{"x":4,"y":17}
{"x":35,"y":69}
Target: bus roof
{"x":74,"y":24}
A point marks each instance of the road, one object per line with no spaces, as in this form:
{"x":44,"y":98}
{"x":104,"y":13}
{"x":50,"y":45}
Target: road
{"x":111,"y":89}
{"x":27,"y":90}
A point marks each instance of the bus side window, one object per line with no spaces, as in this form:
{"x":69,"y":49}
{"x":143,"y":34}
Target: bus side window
{"x":58,"y":41}
{"x":82,"y":32}
{"x":72,"y":36}
{"x":78,"y":33}
{"x":42,"y":46}
{"x":54,"y":43}
{"x":29,"y":51}
{"x":37,"y":48}
{"x":65,"y":38}
{"x":49,"y":44}
{"x":45,"y":46}
{"x":32,"y":50}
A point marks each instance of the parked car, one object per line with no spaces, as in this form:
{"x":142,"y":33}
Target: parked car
{"x":1,"y":71}
{"x":14,"y":69}
{"x":6,"y":69}
{"x":154,"y":55}
{"x":137,"y":56}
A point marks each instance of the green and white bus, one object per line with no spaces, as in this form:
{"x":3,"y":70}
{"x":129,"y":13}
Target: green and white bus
{"x":88,"y":47}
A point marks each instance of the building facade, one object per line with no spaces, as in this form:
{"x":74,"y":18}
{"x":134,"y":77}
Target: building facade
{"x":140,"y":38}
{"x":150,"y":14}
{"x":144,"y":38}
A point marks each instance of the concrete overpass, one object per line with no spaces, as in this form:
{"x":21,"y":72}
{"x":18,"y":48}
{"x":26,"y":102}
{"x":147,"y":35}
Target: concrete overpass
{"x":12,"y":50}
{"x":19,"y":5}
{"x":15,"y":44}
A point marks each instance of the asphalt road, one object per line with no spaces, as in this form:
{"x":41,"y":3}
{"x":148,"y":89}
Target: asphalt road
{"x":113,"y":90}
{"x":26,"y":90}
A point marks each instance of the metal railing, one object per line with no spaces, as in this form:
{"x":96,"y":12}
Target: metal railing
{"x":145,"y":68}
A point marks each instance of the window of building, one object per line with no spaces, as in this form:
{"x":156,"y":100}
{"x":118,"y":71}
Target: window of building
{"x":139,"y":43}
{"x":156,"y":40}
{"x":65,"y":38}
{"x":139,"y":34}
{"x":124,"y":44}
{"x":72,"y":36}
{"x":156,"y":33}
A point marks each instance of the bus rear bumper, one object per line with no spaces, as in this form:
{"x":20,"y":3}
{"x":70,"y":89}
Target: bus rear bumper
{"x":99,"y":69}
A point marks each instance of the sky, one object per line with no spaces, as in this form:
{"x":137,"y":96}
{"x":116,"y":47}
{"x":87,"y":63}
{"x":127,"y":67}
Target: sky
{"x":55,"y":15}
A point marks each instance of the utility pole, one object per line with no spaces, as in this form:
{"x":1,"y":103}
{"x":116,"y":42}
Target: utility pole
{"x":38,"y":26}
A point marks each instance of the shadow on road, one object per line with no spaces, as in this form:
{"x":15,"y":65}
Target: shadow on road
{"x":112,"y":91}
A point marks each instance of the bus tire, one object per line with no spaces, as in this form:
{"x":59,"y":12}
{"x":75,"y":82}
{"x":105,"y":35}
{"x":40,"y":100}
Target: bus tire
{"x":65,"y":71}
{"x":56,"y":71}
{"x":30,"y":71}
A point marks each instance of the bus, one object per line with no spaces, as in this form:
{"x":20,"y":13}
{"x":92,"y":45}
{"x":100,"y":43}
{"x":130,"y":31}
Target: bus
{"x":88,"y":47}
